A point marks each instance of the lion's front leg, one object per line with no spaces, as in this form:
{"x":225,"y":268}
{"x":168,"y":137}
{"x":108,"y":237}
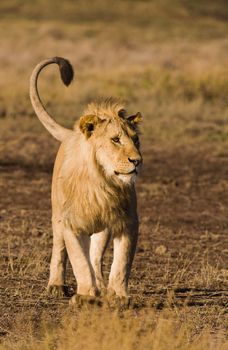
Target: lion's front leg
{"x":78,"y":245}
{"x":124,"y":251}
{"x":99,"y":242}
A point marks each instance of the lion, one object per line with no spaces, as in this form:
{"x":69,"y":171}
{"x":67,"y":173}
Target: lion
{"x":93,"y":192}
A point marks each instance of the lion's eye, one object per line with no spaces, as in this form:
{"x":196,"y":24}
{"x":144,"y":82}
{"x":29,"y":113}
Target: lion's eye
{"x":116,"y":139}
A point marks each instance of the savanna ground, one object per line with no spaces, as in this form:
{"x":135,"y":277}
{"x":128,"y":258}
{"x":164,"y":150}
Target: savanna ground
{"x":167,"y":59}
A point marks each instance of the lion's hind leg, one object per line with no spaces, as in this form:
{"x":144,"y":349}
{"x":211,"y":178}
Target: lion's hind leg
{"x":58,"y":262}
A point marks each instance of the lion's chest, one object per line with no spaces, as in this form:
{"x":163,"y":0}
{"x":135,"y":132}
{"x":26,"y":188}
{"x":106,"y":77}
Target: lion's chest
{"x":93,"y":211}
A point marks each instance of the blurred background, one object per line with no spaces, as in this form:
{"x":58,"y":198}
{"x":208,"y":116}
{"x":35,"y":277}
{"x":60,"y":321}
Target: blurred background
{"x":167,"y":59}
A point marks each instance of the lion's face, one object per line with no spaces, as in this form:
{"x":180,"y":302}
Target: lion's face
{"x":117,"y":151}
{"x":116,"y":145}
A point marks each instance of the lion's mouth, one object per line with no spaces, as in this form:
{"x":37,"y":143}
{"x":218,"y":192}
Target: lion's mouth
{"x":134,"y":171}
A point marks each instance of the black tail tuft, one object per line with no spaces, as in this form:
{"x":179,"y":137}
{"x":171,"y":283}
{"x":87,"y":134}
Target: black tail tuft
{"x":66,"y":70}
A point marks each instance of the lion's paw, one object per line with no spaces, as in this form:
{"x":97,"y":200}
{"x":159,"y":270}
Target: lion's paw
{"x":56,"y":291}
{"x":120,"y":302}
{"x":80,"y":300}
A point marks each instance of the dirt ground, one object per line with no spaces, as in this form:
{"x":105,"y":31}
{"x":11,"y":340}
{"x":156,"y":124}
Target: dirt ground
{"x":181,"y":255}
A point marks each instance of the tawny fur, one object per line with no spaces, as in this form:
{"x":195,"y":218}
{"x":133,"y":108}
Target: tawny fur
{"x":93,"y":193}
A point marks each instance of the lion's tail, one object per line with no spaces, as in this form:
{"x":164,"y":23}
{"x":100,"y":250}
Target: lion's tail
{"x":67,"y":73}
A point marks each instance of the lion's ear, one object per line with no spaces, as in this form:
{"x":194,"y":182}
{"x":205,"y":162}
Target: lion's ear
{"x":88,"y":123}
{"x":135,"y":119}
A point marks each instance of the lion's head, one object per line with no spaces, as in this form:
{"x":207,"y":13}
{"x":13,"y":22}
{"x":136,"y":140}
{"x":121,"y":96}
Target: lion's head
{"x":113,"y":136}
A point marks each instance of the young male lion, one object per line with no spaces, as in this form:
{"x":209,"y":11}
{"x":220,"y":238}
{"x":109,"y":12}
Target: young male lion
{"x":93,"y":193}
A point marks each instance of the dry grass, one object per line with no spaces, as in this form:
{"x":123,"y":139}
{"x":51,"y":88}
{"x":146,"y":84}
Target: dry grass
{"x":168,"y":60}
{"x":93,"y":329}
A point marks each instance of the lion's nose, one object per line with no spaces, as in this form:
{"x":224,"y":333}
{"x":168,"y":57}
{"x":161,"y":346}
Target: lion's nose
{"x":135,"y":161}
